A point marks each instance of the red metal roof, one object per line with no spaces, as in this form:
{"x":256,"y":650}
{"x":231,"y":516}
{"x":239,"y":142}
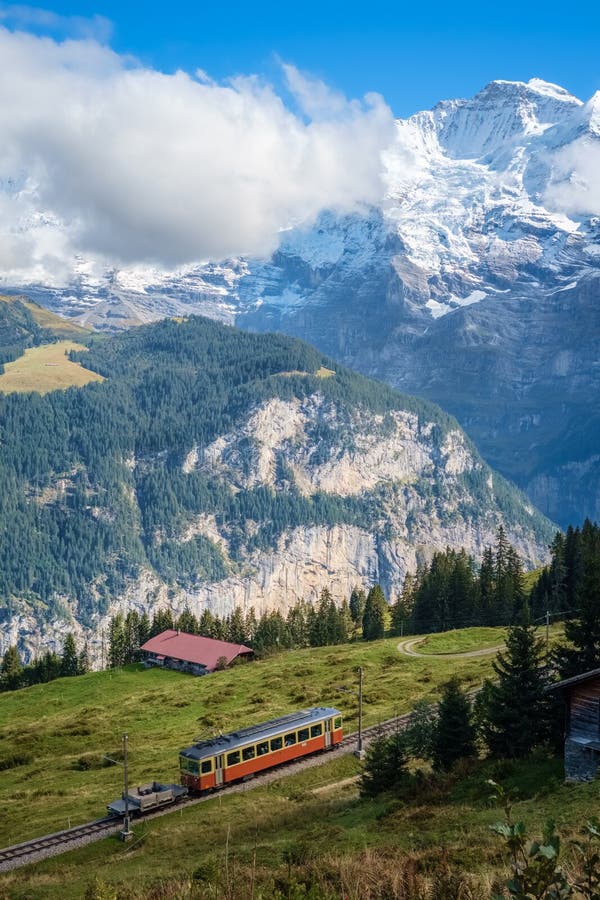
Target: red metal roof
{"x":193,"y":648}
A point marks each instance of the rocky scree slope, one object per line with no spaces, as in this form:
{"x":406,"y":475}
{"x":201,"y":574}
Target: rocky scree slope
{"x":476,"y":283}
{"x":214,"y":468}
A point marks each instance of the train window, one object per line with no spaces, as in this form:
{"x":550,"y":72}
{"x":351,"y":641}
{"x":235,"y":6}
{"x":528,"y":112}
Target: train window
{"x":262,"y":748}
{"x":189,"y":765}
{"x":302,"y":735}
{"x":233,"y":758}
{"x":337,"y":723}
{"x":290,"y":739}
{"x":206,"y":766}
{"x":276,"y":744}
{"x":316,"y":730}
{"x":248,"y":753}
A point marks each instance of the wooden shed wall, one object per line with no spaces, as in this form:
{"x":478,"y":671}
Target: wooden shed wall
{"x":584,"y":709}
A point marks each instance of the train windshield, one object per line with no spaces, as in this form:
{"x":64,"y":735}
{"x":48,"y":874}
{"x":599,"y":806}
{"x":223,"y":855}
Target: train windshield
{"x":188,"y":765}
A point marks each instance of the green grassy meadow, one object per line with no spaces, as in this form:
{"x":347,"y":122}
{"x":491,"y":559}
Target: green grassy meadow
{"x":46,"y":368}
{"x":53,"y":736}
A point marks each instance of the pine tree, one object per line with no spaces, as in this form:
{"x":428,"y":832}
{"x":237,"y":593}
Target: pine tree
{"x":187,"y":622}
{"x":582,"y":652}
{"x":69,"y":664}
{"x":206,"y":626}
{"x":375,"y":616}
{"x":11,"y":671}
{"x":488,"y":613}
{"x":384,"y":766}
{"x":401,"y":611}
{"x":236,"y":632}
{"x":357,"y":605}
{"x":514,"y":709}
{"x":454,"y":736}
{"x":116,"y":641}
{"x":83,"y":660}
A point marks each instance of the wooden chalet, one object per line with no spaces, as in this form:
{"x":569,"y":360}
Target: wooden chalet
{"x":191,"y":653}
{"x":582,"y":725}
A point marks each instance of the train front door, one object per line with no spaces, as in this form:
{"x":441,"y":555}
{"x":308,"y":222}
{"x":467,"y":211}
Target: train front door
{"x":328,"y":732}
{"x":219,"y":770}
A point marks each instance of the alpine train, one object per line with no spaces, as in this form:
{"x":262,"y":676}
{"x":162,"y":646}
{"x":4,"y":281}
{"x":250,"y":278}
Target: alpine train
{"x":210,"y":765}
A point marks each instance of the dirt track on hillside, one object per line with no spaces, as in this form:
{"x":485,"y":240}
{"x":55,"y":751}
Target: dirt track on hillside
{"x":406,"y":647}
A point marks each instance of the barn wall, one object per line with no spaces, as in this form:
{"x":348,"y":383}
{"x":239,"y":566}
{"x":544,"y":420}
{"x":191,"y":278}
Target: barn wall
{"x":584,"y":709}
{"x":581,"y":762}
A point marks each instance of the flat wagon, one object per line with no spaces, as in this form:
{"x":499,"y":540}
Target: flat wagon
{"x":147,"y":797}
{"x":211,"y":764}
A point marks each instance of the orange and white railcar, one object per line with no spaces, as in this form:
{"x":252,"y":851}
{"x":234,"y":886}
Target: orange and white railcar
{"x":209,"y":765}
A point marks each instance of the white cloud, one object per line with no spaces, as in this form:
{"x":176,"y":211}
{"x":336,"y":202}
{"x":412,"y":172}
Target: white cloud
{"x":575,"y":185}
{"x":137,"y":165}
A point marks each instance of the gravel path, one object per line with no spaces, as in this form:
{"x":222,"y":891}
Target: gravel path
{"x":407,"y":648}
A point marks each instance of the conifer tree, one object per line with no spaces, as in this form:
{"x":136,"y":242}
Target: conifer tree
{"x":69,"y":664}
{"x":206,"y":625}
{"x":11,"y":670}
{"x":116,"y":641}
{"x":401,"y":611}
{"x":513,"y":710}
{"x":236,"y":632}
{"x":357,"y":605}
{"x":83,"y":660}
{"x":384,"y":766}
{"x":582,"y":652}
{"x":488,"y":613}
{"x":454,"y":735}
{"x":187,"y":622}
{"x":375,"y":616}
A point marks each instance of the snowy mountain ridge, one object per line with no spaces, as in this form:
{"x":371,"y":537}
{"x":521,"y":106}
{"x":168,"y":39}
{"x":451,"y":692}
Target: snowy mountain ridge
{"x":475,"y":283}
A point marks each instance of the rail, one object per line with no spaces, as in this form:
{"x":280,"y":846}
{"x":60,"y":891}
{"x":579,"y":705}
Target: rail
{"x":71,"y":838}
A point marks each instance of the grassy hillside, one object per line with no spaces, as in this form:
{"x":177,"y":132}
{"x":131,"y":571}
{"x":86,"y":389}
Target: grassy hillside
{"x":53,"y":736}
{"x":311,"y":822}
{"x":25,"y":324}
{"x":46,"y":368}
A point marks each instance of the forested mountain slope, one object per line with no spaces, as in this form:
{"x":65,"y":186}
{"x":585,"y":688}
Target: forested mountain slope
{"x":214,"y":467}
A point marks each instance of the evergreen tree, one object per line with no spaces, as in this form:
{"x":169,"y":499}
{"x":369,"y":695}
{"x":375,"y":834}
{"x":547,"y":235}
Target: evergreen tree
{"x":69,"y":660}
{"x":514,"y":709}
{"x":83,"y":660}
{"x":250,"y":624}
{"x":375,"y":616}
{"x":487,"y":613}
{"x":384,"y":766}
{"x":237,"y":627}
{"x":206,"y":626}
{"x":421,"y":730}
{"x":357,"y":605}
{"x":162,"y":620}
{"x":187,"y":622}
{"x":582,"y":652}
{"x":11,"y":671}
{"x":454,"y":736}
{"x":402,"y":609}
{"x":116,"y":641}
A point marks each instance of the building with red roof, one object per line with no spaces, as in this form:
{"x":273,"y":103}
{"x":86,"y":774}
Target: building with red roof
{"x":191,"y":653}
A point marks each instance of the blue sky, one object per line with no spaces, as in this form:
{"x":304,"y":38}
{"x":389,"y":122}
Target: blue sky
{"x":414,"y":54}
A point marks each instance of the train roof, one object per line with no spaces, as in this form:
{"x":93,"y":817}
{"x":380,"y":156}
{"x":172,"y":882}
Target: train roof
{"x":225,"y":742}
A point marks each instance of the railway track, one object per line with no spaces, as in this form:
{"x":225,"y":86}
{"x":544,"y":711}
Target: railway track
{"x":71,"y":838}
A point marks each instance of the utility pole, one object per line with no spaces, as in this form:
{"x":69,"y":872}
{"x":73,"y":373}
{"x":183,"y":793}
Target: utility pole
{"x":126,"y":833}
{"x":359,"y":749}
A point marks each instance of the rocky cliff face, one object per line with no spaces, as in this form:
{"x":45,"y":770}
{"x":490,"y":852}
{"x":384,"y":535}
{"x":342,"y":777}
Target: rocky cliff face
{"x":404,"y":487}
